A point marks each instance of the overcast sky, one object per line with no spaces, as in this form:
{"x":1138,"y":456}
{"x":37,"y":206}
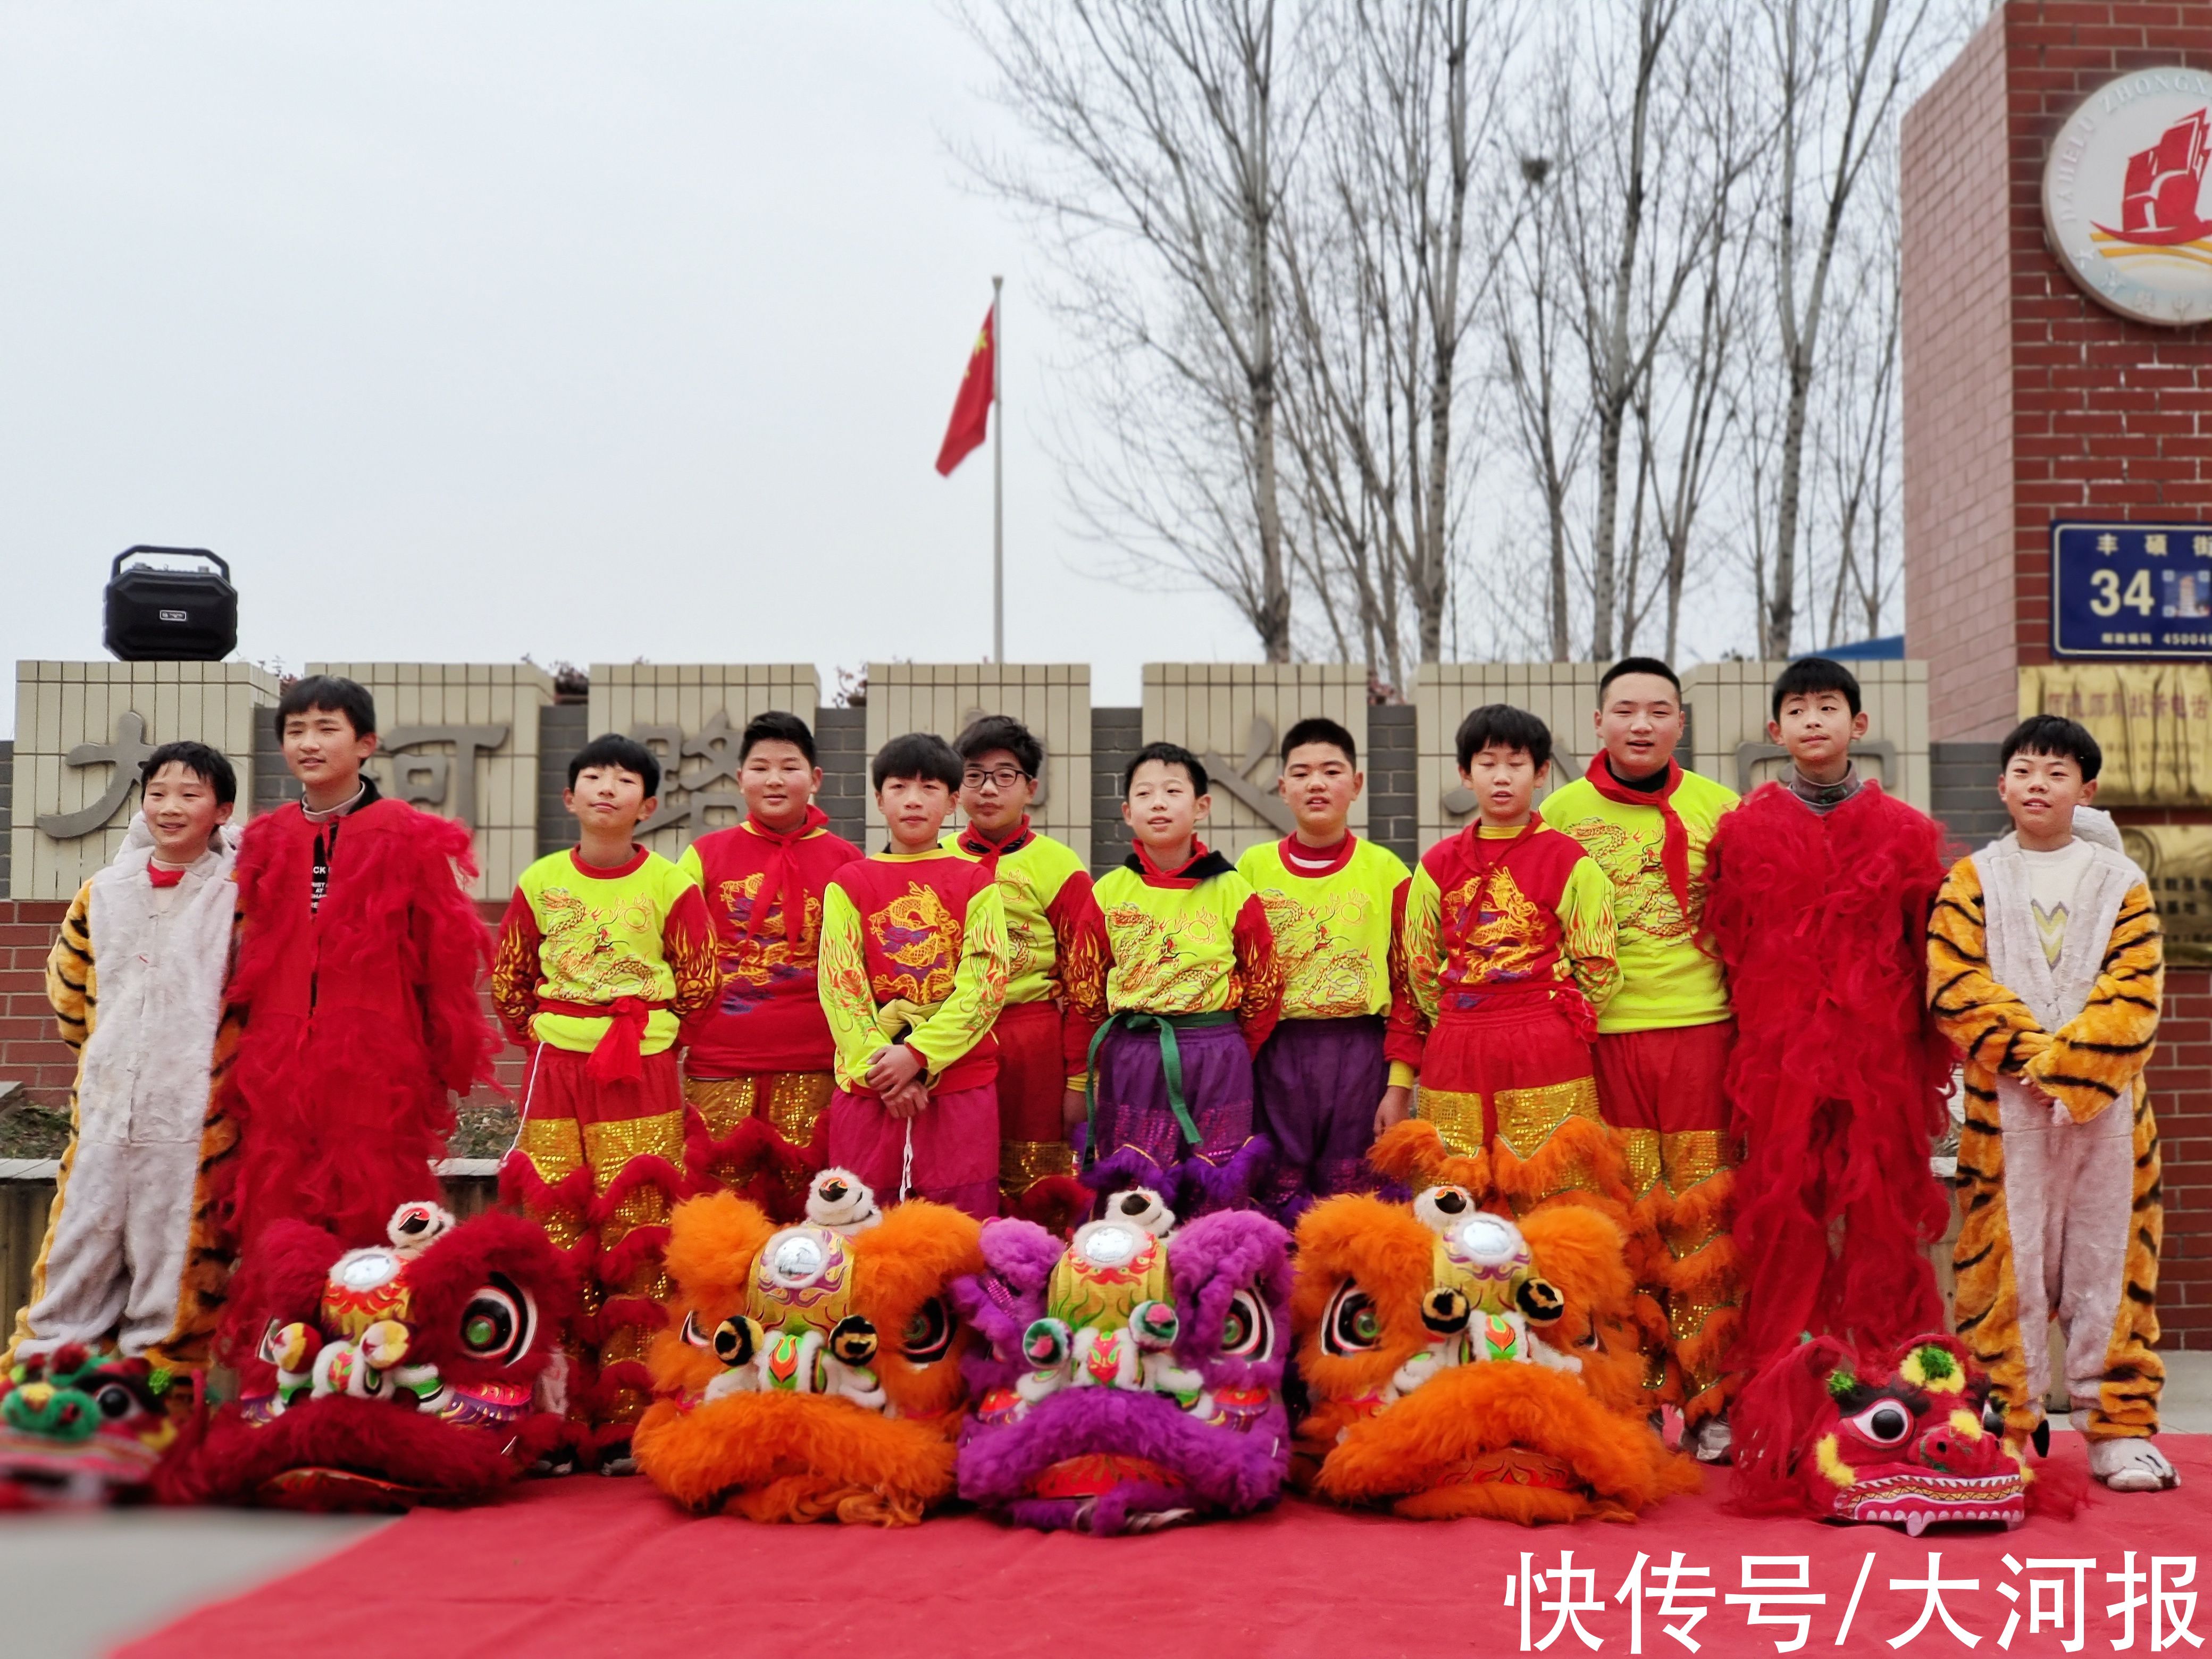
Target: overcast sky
{"x":587,"y":332}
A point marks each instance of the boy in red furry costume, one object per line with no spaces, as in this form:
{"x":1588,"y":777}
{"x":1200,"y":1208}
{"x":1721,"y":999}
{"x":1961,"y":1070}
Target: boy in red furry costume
{"x":605,"y":950}
{"x":350,"y":1016}
{"x":1818,"y":892}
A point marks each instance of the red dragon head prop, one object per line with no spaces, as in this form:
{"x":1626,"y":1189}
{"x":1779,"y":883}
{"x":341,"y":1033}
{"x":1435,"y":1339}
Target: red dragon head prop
{"x":399,"y":1373}
{"x":1910,"y":1437}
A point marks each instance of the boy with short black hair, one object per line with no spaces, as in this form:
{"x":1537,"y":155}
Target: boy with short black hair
{"x":1341,"y":1059}
{"x":2045,"y":970}
{"x":151,"y":935}
{"x":605,"y":950}
{"x":1509,"y":943}
{"x":1663,"y":1037}
{"x":1818,"y":891}
{"x":1050,"y":916}
{"x":351,"y":1015}
{"x":1185,"y":989}
{"x":757,"y":1064}
{"x":913,"y":976}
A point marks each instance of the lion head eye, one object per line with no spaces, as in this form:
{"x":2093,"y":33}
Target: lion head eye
{"x":1247,"y":1331}
{"x":1351,"y":1324}
{"x":928,"y":1335}
{"x":1885,"y":1423}
{"x":499,"y":1321}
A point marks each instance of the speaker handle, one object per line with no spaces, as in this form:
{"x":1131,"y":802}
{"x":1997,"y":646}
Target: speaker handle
{"x":221,"y":564}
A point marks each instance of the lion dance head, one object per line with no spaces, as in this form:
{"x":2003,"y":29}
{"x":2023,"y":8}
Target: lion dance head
{"x":387,"y":1376}
{"x":79,"y":1428}
{"x":810,"y":1372}
{"x":1461,"y":1363}
{"x":1910,"y":1437}
{"x":1134,"y":1377}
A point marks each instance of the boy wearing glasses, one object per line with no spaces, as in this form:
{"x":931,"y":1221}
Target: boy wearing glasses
{"x":1051,"y":919}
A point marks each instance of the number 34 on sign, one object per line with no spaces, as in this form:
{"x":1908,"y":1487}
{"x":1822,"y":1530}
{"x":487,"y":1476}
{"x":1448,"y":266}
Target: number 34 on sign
{"x":2130,"y":590}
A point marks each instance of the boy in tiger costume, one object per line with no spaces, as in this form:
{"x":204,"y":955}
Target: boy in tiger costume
{"x":2044,"y":971}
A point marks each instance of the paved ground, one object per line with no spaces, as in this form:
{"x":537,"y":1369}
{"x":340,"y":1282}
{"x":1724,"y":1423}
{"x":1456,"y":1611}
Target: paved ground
{"x":75,"y":1584}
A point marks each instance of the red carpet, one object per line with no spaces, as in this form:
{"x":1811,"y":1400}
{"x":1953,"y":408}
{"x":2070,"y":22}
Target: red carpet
{"x":587,"y":1565}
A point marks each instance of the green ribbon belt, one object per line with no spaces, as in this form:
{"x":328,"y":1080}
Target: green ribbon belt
{"x":1170,"y":1066}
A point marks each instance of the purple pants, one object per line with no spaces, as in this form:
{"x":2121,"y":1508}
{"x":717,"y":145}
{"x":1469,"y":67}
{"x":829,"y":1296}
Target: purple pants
{"x":1317,"y":1083}
{"x":1138,"y":1142}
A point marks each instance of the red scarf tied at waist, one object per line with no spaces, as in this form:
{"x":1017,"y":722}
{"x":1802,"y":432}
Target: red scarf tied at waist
{"x":1675,"y":852}
{"x":777,"y":877}
{"x":620,"y":1056}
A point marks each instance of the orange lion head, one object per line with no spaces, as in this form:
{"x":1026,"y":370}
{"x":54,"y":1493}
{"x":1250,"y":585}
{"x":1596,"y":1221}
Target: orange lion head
{"x":1461,"y":1363}
{"x":811,"y":1371}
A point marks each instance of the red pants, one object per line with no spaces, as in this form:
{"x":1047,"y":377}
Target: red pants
{"x":1032,"y":1084}
{"x":1664,"y":1090}
{"x":954,"y":1142}
{"x":599,"y":1166}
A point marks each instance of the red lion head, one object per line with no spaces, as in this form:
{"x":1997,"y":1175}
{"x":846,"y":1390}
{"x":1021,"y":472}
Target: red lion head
{"x":380,"y":1377}
{"x":1910,"y":1437}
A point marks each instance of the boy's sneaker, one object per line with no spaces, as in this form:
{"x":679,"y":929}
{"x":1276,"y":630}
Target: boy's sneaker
{"x":621,"y":1463}
{"x":1710,"y":1440}
{"x":2131,"y":1464}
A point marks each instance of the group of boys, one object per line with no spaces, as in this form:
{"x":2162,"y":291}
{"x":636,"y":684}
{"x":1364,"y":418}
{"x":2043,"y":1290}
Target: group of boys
{"x":1714,"y":1018}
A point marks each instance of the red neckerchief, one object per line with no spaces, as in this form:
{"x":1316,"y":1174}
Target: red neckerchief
{"x":1156,"y":876}
{"x":777,"y":875}
{"x":161,"y":877}
{"x":1675,"y":851}
{"x":972,"y":843}
{"x":1312,"y":863}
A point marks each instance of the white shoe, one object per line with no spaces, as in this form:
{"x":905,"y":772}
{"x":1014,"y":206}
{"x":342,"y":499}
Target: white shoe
{"x":2132,"y":1464}
{"x":1710,"y":1440}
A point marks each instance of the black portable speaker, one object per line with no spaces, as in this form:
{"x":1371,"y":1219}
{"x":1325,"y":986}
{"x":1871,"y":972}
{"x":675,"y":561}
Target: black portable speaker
{"x":157,"y":615}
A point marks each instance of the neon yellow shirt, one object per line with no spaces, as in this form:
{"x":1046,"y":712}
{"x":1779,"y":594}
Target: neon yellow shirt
{"x":1667,"y":980}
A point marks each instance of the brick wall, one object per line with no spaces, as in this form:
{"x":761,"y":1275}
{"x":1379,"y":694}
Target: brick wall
{"x":30,"y":1053}
{"x":1394,"y":756}
{"x":1956,"y":334}
{"x":2027,"y":401}
{"x":841,"y":744}
{"x":563,"y":728}
{"x":1116,"y":735}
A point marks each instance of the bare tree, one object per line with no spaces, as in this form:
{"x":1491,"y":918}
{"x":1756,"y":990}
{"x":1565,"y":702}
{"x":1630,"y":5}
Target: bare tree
{"x":1855,"y":437}
{"x":1161,"y":129}
{"x":1838,"y":69}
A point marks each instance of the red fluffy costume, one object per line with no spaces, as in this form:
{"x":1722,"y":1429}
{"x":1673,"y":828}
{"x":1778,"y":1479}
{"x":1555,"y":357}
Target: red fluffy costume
{"x":347,"y":1027}
{"x":1837,"y":1079}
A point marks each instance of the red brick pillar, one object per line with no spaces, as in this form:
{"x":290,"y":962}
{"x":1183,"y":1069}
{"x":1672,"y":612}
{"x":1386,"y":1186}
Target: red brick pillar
{"x":2026,"y":400}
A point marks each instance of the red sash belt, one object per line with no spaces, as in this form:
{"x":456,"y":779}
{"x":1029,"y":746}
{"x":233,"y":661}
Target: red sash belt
{"x":620,"y":1057}
{"x":1510,"y":1003}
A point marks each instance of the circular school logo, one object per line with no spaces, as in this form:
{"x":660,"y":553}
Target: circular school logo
{"x":2124,"y":198}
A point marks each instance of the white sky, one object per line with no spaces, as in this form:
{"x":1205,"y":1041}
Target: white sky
{"x":593,"y":331}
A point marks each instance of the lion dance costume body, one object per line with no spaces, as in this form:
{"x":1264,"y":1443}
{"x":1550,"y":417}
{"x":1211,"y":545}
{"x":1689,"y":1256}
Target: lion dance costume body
{"x":396,"y":1374}
{"x":1462,"y":1363}
{"x":810,"y":1372}
{"x":78,"y":1428}
{"x":1133,"y":1376}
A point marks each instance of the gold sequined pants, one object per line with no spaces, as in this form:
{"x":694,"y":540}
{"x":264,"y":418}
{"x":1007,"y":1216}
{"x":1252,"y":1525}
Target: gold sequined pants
{"x":789,"y":1103}
{"x":604,"y":1162}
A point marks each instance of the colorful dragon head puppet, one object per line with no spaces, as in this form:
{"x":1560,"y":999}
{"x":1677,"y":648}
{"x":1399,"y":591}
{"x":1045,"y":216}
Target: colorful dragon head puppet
{"x":387,"y":1376}
{"x":1460,"y":1362}
{"x":1911,"y":1437}
{"x":1133,"y":1376}
{"x":813,"y":1371}
{"x":78,"y":1428}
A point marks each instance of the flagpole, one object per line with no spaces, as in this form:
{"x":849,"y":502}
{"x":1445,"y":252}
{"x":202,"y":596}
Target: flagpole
{"x":998,"y":481}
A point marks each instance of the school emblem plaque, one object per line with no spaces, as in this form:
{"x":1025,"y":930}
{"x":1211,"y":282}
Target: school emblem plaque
{"x":2125,"y":197}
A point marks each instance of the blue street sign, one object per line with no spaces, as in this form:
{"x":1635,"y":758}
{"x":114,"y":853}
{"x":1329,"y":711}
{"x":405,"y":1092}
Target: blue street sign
{"x":2130,"y":590}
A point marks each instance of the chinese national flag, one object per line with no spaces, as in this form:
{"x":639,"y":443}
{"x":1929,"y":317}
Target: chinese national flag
{"x":971,"y":409}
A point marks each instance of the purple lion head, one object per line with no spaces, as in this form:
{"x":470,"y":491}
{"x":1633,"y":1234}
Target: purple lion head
{"x":1133,"y":1377}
